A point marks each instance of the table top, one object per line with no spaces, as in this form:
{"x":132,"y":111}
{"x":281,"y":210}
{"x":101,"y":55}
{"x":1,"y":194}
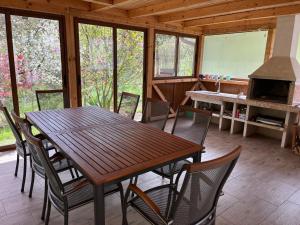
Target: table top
{"x":108,"y":147}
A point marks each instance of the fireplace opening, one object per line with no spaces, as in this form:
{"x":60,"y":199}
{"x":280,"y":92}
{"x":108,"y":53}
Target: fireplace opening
{"x":270,"y":90}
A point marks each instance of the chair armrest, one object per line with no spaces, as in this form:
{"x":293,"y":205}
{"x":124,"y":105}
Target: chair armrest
{"x":56,"y":157}
{"x":145,"y":198}
{"x":77,"y":185}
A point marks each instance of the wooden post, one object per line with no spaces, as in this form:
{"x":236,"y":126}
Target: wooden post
{"x":150,"y":61}
{"x":270,"y":44}
{"x":199,"y":59}
{"x":70,"y":36}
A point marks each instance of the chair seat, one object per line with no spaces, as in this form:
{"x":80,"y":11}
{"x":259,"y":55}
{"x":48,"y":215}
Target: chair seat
{"x":169,"y":170}
{"x":81,"y":196}
{"x":162,"y":196}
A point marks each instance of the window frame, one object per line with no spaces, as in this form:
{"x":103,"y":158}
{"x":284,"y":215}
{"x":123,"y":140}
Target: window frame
{"x":8,"y":13}
{"x":115,"y":27}
{"x":177,"y":36}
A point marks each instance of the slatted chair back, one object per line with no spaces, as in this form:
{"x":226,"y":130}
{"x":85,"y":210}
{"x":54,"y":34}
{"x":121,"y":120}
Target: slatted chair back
{"x":36,"y":145}
{"x":192,"y":124}
{"x":201,"y":188}
{"x":128,"y":104}
{"x":50,"y":99}
{"x":14,"y":128}
{"x":23,"y":124}
{"x":156,"y":113}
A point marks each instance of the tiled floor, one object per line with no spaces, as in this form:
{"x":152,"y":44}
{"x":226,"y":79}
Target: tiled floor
{"x":264,"y":188}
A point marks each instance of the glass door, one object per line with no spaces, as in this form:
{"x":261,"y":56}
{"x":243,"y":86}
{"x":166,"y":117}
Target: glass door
{"x":6,"y":136}
{"x":96,"y":65}
{"x":37,"y":55}
{"x":130,"y":67}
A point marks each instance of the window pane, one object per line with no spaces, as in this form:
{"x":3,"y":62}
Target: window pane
{"x":37,"y":58}
{"x":186,"y":60}
{"x":165,"y":53}
{"x":96,"y":63}
{"x":6,"y":136}
{"x":237,"y":55}
{"x":131,"y":64}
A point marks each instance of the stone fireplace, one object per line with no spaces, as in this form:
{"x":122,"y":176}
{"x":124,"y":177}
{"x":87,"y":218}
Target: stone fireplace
{"x":278,"y":79}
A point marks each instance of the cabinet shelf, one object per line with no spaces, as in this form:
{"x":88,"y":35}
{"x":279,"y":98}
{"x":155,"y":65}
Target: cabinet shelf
{"x":266,"y":126}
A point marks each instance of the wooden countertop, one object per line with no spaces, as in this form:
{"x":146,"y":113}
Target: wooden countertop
{"x":208,"y":96}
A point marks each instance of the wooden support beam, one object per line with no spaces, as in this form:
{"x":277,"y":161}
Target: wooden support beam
{"x":199,"y":59}
{"x":270,"y":44}
{"x":240,"y":26}
{"x":150,"y":60}
{"x":186,"y":98}
{"x":168,"y":7}
{"x":101,"y":2}
{"x":114,"y":4}
{"x":70,"y":37}
{"x":224,"y":8}
{"x":174,"y":81}
{"x":161,"y":95}
{"x":258,"y":14}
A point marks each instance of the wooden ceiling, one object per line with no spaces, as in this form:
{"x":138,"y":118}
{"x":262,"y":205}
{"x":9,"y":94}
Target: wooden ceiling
{"x":202,"y":16}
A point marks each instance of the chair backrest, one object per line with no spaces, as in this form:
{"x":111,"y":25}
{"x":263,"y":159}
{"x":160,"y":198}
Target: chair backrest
{"x":201,"y":188}
{"x":50,"y":99}
{"x":36,"y":145}
{"x":24,"y":125}
{"x":128,"y":104}
{"x":14,"y":128}
{"x":192,"y":124}
{"x":156,"y":113}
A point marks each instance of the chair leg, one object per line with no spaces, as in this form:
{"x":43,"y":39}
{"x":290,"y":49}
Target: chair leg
{"x":30,"y":158}
{"x":48,"y":212}
{"x":24,"y":173}
{"x":32,"y":183}
{"x":45,"y":199}
{"x":135,"y":183}
{"x":17,"y":165}
{"x":66,"y":216}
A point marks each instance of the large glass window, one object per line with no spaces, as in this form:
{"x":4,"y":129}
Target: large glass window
{"x":37,"y":55}
{"x":6,"y":137}
{"x":236,"y":55}
{"x":96,"y":63}
{"x":111,"y":62}
{"x":130,"y":52}
{"x":165,"y":55}
{"x":174,"y":55}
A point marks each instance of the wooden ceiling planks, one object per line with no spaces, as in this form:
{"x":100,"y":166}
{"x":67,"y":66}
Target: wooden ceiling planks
{"x":186,"y":16}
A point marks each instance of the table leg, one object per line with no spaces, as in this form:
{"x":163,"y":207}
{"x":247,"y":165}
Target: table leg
{"x":99,"y":205}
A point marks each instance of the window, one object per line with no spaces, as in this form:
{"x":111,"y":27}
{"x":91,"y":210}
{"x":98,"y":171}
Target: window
{"x":174,"y":55}
{"x":236,"y":55}
{"x":38,"y":62}
{"x":37,"y":56}
{"x":111,"y":61}
{"x":6,"y":137}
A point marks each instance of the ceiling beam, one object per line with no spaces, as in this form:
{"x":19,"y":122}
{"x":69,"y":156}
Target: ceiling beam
{"x":250,"y":15}
{"x":114,"y":4}
{"x":100,"y":2}
{"x":223,"y":9}
{"x":170,"y":6}
{"x":239,"y":26}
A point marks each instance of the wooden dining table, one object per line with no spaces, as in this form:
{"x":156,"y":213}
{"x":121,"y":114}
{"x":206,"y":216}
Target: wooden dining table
{"x":109,"y":148}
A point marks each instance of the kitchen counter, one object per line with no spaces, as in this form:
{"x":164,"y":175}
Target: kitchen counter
{"x":214,"y":97}
{"x":247,"y":125}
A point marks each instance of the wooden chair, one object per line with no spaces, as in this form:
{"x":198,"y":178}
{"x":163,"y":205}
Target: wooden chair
{"x":60,"y":163}
{"x":65,"y":196}
{"x":191,"y":124}
{"x":128,"y":104}
{"x":193,"y":202}
{"x":49,"y":99}
{"x":21,"y":145}
{"x":156,"y":113}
